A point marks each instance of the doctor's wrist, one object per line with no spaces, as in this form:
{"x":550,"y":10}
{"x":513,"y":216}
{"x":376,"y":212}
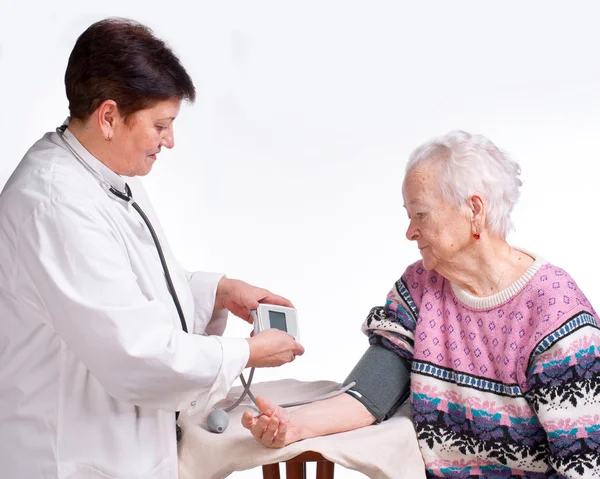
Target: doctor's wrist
{"x":223,"y":292}
{"x":272,"y":348}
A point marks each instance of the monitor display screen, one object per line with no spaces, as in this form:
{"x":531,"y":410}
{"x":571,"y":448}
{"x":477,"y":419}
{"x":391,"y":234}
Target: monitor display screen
{"x":277,"y":320}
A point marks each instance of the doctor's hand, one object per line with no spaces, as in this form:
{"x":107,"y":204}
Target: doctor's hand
{"x":272,"y":347}
{"x":240,"y":297}
{"x":274,"y":427}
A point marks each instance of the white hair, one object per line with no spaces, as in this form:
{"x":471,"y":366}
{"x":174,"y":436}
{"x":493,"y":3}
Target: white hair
{"x":473,"y":164}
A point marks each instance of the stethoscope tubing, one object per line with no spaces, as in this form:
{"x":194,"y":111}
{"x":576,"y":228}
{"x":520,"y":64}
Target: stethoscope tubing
{"x":128,"y":198}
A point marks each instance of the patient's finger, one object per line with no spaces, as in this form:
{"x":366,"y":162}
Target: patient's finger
{"x":280,"y":438}
{"x":260,"y":427}
{"x":265,"y":406}
{"x":248,"y":420}
{"x":256,"y":429}
{"x":269,"y":434}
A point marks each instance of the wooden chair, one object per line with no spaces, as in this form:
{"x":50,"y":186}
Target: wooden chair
{"x":295,"y":468}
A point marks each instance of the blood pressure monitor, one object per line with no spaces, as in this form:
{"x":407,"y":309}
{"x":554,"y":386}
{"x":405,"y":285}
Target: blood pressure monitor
{"x":268,"y":316}
{"x":279,"y":317}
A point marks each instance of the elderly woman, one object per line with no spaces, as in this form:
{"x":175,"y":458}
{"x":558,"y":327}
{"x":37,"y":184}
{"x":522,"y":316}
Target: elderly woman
{"x":95,"y":358}
{"x":502,"y":347}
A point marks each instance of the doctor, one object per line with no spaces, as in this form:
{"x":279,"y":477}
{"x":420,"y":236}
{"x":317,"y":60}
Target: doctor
{"x":94,"y":359}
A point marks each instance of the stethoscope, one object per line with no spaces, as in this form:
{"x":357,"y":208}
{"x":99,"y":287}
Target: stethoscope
{"x":217,"y":420}
{"x":128,"y":198}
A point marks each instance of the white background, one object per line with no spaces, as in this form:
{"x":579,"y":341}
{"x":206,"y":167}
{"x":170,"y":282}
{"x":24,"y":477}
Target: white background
{"x":287,"y":170}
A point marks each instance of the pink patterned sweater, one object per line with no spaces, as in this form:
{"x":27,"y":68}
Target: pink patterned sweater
{"x":506,"y":386}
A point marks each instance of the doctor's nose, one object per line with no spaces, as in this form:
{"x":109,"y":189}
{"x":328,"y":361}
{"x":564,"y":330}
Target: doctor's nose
{"x":168,"y":141}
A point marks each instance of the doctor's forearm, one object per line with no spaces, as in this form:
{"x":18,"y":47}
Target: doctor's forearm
{"x":338,"y":414}
{"x":216,"y":325}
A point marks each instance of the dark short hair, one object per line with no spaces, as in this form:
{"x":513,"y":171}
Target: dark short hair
{"x":121,"y":60}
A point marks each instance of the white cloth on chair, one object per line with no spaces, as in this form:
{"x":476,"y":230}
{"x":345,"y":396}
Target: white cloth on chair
{"x":387,"y":450}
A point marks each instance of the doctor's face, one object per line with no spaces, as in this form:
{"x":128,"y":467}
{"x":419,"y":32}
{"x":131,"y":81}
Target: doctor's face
{"x":138,"y":142}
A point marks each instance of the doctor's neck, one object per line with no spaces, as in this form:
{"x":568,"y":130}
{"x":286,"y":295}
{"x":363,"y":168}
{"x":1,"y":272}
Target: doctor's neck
{"x":93,"y":140}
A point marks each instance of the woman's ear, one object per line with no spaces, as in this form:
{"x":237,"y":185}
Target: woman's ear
{"x":477,"y":207}
{"x":107,"y":117}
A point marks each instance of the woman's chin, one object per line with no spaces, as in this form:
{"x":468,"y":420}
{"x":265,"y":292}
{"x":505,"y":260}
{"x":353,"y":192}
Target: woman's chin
{"x":427,"y":260}
{"x":146,"y":167}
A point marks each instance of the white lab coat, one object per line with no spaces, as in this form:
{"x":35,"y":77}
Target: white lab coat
{"x":93,"y":359}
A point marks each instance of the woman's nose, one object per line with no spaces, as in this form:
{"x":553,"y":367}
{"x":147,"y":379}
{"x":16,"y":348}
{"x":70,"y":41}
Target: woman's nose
{"x":168,"y":141}
{"x":412,"y":233}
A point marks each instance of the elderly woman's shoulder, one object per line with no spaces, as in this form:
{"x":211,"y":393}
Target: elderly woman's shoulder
{"x":417,"y":280}
{"x":552,"y":299}
{"x":417,"y":272}
{"x":557,"y":287}
{"x":554,"y":277}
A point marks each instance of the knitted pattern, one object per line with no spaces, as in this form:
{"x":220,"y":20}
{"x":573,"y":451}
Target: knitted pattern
{"x":501,"y":387}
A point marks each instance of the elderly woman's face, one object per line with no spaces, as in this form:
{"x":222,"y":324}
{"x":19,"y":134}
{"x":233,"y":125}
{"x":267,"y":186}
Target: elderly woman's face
{"x":138,"y":142}
{"x":441,"y":230}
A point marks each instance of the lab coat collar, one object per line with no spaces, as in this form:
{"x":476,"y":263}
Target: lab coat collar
{"x":113,"y":179}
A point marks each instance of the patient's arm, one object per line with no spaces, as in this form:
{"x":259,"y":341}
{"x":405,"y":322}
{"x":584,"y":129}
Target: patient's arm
{"x":382,"y":385}
{"x":278,"y":427}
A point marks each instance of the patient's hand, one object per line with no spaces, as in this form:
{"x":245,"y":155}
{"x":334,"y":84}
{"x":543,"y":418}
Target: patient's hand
{"x":274,"y":427}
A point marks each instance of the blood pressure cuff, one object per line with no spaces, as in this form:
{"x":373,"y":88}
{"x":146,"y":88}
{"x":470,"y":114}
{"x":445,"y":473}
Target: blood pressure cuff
{"x":382,"y":382}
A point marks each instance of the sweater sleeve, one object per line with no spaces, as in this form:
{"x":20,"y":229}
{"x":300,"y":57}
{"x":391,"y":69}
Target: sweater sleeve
{"x":563,"y":381}
{"x":393,"y":326}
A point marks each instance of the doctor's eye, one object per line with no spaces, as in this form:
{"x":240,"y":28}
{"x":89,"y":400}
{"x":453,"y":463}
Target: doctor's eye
{"x":160,"y":128}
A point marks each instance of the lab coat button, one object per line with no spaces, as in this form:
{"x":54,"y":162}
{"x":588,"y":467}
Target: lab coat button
{"x":193,"y":404}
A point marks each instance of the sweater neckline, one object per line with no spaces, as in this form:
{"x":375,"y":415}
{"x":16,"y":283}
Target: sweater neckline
{"x":502,"y":296}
